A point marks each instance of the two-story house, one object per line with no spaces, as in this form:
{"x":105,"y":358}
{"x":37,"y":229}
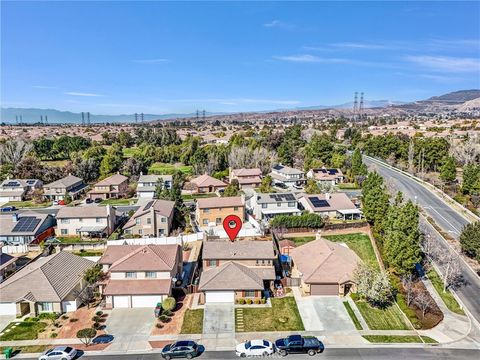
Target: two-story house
{"x":112,"y":187}
{"x":26,"y":228}
{"x":70,"y":185}
{"x":326,"y":176}
{"x":140,"y":276}
{"x":90,"y":221}
{"x":266,"y":206}
{"x":17,"y":189}
{"x":287,"y":176}
{"x":247,"y":178}
{"x":152,"y":219}
{"x":147,"y":184}
{"x":335,"y":205}
{"x":233,"y":270}
{"x":212,"y":211}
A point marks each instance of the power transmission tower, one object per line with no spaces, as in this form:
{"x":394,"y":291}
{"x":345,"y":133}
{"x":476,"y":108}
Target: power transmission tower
{"x":136,"y":118}
{"x":198,"y":114}
{"x":141,"y":117}
{"x":83,"y":118}
{"x":41,"y":119}
{"x":203,"y":115}
{"x":16,"y":119}
{"x":361,"y":106}
{"x":355,"y":106}
{"x":46,"y":120}
{"x":21,"y":119}
{"x":88,"y":118}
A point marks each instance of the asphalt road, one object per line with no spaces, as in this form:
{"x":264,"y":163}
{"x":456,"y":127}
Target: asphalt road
{"x":446,"y":218}
{"x":337,"y":354}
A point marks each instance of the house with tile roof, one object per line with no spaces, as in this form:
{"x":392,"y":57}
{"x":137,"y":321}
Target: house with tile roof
{"x":325,"y":175}
{"x":70,"y":185}
{"x":212,"y":211}
{"x":247,"y":178}
{"x":112,"y":187}
{"x":48,"y":284}
{"x":26,"y":228}
{"x":140,"y":275}
{"x":287,"y":176}
{"x":90,"y":221}
{"x":17,"y":189}
{"x":153,"y":218}
{"x":147,"y":184}
{"x":206,"y":184}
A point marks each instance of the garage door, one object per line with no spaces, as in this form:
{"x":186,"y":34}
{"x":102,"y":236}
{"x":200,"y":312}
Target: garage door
{"x":324,"y":289}
{"x":68,"y":306}
{"x":219,"y":297}
{"x":121,"y":301}
{"x":4,"y":199}
{"x":8,"y":309}
{"x":146,"y":301}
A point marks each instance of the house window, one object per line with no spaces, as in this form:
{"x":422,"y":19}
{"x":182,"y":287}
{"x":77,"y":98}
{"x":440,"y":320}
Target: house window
{"x":249,"y":293}
{"x":213,"y":263}
{"x":64,"y":221}
{"x":205,"y":221}
{"x":45,"y":306}
{"x":206,"y":210}
{"x":279,"y":204}
{"x":64,"y":231}
{"x":131,"y":275}
{"x":99,"y":220}
{"x":140,"y":231}
{"x":291,"y":204}
{"x":138,"y":221}
{"x":218,"y":221}
{"x":264,"y":206}
{"x":150,"y":274}
{"x":149,"y":220}
{"x":235,"y":208}
{"x":164,"y":219}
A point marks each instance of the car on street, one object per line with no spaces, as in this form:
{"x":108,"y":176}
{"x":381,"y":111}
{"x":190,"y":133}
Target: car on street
{"x":59,"y":353}
{"x":98,"y":200}
{"x":88,"y":201}
{"x":255,"y":348}
{"x":297,"y":344}
{"x":180,"y":349}
{"x":8,"y":209}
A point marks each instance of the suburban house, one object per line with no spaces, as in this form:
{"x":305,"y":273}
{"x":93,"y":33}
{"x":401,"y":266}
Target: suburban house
{"x":266,"y":206}
{"x":206,"y":184}
{"x":287,"y":176}
{"x":212,"y":211}
{"x":324,"y":267}
{"x":91,"y":221}
{"x":326,"y":176}
{"x":26,"y":228}
{"x":334,"y":205}
{"x":147,"y":184}
{"x":49,"y":284}
{"x":112,"y":187}
{"x":7,"y":264}
{"x":246,"y":177}
{"x":17,"y":189}
{"x":70,"y":185}
{"x":139,"y":275}
{"x":152,"y":219}
{"x":234,"y":270}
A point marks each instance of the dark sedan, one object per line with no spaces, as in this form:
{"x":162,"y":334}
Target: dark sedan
{"x":180,"y":349}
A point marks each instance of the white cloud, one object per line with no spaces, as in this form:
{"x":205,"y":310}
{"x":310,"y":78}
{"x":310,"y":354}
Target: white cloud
{"x":306,"y":58}
{"x":273,"y":23}
{"x":440,"y":78}
{"x":360,"y":45}
{"x":445,"y":63}
{"x":43,"y":87}
{"x":74,"y":93}
{"x":151,"y":61}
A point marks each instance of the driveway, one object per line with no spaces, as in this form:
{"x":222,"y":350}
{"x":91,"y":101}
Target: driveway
{"x":131,"y":328}
{"x":218,"y":318}
{"x":5,"y":320}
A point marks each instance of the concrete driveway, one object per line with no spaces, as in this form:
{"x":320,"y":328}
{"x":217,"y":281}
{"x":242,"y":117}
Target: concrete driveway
{"x":218,"y":318}
{"x":131,"y":328}
{"x":5,"y":320}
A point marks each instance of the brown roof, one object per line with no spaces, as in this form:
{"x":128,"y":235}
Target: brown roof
{"x":286,"y":243}
{"x":253,"y":180}
{"x":230,"y":276}
{"x":238,"y":250}
{"x":220,"y":202}
{"x":246,"y":172}
{"x":140,"y":257}
{"x":323,"y":261}
{"x":326,"y":174}
{"x":336,"y":201}
{"x":138,"y":287}
{"x":160,"y":206}
{"x":206,"y":180}
{"x":115,"y":179}
{"x":90,"y":211}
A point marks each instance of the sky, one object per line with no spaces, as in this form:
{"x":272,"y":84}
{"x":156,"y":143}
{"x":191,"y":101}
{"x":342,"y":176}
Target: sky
{"x":175,"y":57}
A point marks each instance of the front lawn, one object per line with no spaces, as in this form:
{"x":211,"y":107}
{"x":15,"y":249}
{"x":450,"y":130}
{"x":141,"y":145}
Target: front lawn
{"x":390,"y":318}
{"x":116,"y":202}
{"x":192,"y":322}
{"x":26,"y":349}
{"x":168,"y":169}
{"x":399,"y":339}
{"x":352,"y":315}
{"x":347,"y":186}
{"x":23,"y":331}
{"x":300,"y":240}
{"x":282,"y":316}
{"x":27,"y":204}
{"x":446,"y":296}
{"x":358,"y":242}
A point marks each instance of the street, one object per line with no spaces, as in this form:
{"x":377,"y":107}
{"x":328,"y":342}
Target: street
{"x":445,"y":217}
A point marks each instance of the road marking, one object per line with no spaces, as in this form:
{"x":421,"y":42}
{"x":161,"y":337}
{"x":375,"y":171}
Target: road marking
{"x":448,"y":222}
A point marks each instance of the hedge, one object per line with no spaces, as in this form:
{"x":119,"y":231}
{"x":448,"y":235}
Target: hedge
{"x":313,"y":221}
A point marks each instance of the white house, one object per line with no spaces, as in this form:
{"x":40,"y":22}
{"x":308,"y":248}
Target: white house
{"x":287,"y":176}
{"x":92,"y":221}
{"x":266,"y":206}
{"x":147,"y":184}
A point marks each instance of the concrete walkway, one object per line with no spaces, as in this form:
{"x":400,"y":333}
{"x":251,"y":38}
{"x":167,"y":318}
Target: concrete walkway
{"x":357,"y":313}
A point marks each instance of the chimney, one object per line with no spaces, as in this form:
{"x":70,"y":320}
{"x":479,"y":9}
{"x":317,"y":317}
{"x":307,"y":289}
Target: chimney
{"x":14,"y":217}
{"x":327,"y":196}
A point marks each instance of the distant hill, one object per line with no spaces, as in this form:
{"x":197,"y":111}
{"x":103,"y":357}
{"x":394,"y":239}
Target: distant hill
{"x":457,"y":96}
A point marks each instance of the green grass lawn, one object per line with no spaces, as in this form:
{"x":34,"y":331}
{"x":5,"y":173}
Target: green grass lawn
{"x":116,"y":202}
{"x":348,"y":186}
{"x":358,"y":242}
{"x":399,"y":339}
{"x":354,"y":318}
{"x":88,"y":253}
{"x":23,"y":331}
{"x":129,"y":152}
{"x":76,"y":239}
{"x":26,"y":349}
{"x":192,"y":322}
{"x":282,"y":316}
{"x":27,"y":204}
{"x":55,"y":163}
{"x":168,"y":169}
{"x":198,"y":196}
{"x":300,"y":240}
{"x":446,"y":296}
{"x":390,"y":318}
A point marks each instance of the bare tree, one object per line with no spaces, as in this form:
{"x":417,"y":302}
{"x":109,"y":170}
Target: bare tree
{"x":424,"y":301}
{"x":411,"y":157}
{"x":409,"y":287}
{"x":467,"y":151}
{"x":14,"y":150}
{"x":450,"y":269}
{"x":430,"y":247}
{"x":243,"y":157}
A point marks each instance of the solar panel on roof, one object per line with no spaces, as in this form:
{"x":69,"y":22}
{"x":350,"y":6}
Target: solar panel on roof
{"x":332,"y":171}
{"x":289,"y":197}
{"x":316,"y":202}
{"x":26,"y":224}
{"x":148,"y":206}
{"x":278,"y":167}
{"x":12,"y":184}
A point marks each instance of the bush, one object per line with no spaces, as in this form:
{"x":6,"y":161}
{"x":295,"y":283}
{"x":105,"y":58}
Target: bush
{"x":168,"y":313}
{"x":256,"y":301}
{"x":263,"y":301}
{"x":249,"y":301}
{"x":354,"y":296}
{"x":169,"y":304}
{"x":96,"y":318}
{"x":64,"y":317}
{"x":73,"y":320}
{"x":49,"y":316}
{"x":313,"y":221}
{"x":86,"y":335}
{"x":32,"y":319}
{"x":159,"y":326}
{"x":96,"y":325}
{"x":163,"y":318}
{"x":99,"y":313}
{"x":53,"y":335}
{"x":241,"y":301}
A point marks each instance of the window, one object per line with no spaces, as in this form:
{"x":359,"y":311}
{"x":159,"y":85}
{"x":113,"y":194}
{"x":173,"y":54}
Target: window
{"x":249,"y":293}
{"x":205,"y":221}
{"x":235,"y":208}
{"x":149,"y":220}
{"x":99,"y":220}
{"x":206,"y":210}
{"x":164,"y":219}
{"x":218,"y":221}
{"x":264,"y":206}
{"x":213,"y":263}
{"x":291,"y":204}
{"x":140,"y":231}
{"x":131,"y":275}
{"x":64,"y":231}
{"x":64,"y":221}
{"x":150,"y":274}
{"x":138,"y":221}
{"x":279,"y":204}
{"x":45,"y":306}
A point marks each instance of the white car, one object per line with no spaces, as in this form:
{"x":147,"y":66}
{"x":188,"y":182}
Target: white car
{"x":255,"y":348}
{"x":59,"y":353}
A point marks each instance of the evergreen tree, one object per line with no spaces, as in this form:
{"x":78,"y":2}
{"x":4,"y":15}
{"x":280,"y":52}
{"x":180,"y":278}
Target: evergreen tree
{"x":448,"y":171}
{"x":375,"y":201}
{"x":470,"y":240}
{"x":112,"y":161}
{"x":232,"y":189}
{"x":471,"y":178}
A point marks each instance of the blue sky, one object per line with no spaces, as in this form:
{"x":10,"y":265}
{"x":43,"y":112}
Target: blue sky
{"x":160,"y":57}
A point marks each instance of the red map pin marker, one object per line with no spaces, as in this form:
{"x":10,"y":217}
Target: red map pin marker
{"x":232,"y":225}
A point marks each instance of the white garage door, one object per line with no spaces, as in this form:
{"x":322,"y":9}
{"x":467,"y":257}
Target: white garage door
{"x":69,"y":305}
{"x":121,"y":301}
{"x":4,"y":199}
{"x":219,"y":297}
{"x":146,"y":301}
{"x":8,"y":309}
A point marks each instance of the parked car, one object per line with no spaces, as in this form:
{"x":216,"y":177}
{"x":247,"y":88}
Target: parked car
{"x":55,"y":202}
{"x":98,"y":200}
{"x":8,"y":209}
{"x":59,"y":353}
{"x":61,"y":202}
{"x":88,"y":201}
{"x":180,"y":349}
{"x":255,"y":348}
{"x":297,"y":344}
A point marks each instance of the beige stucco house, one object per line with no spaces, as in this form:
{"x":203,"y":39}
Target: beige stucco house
{"x":91,"y":221}
{"x":112,"y":187}
{"x":212,"y":211}
{"x":70,"y":185}
{"x":152,"y":219}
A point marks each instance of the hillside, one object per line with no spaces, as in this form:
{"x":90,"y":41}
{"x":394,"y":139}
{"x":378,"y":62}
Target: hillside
{"x":457,"y":96}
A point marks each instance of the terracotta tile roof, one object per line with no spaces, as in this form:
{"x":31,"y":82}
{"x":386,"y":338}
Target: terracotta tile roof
{"x":206,"y":180}
{"x":115,"y":179}
{"x":90,"y":211}
{"x":160,"y":206}
{"x":323,"y":261}
{"x":220,"y":202}
{"x":238,"y":250}
{"x":230,"y":276}
{"x":246,"y":172}
{"x":138,"y":287}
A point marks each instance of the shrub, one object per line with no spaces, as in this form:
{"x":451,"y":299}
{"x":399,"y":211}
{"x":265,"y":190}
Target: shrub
{"x":99,"y":313}
{"x":159,"y":326}
{"x":64,"y":317}
{"x":53,"y":335}
{"x":96,"y":318}
{"x":256,"y":301}
{"x":32,"y":319}
{"x":313,"y":221}
{"x":241,"y":301}
{"x":249,"y":301}
{"x":354,"y":296}
{"x":263,"y":301}
{"x":86,"y":335}
{"x":168,"y":313}
{"x":96,"y":325}
{"x":73,"y":320}
{"x":163,"y":318}
{"x":169,"y":304}
{"x":49,"y":316}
